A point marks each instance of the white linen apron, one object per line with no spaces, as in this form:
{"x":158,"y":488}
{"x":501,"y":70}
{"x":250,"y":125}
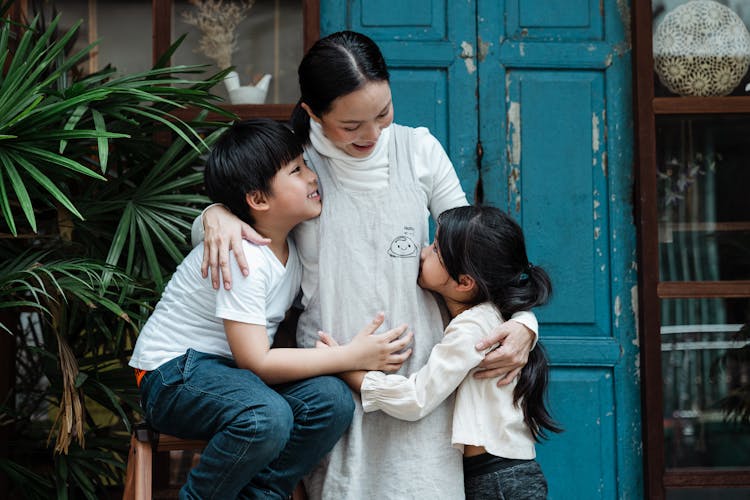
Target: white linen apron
{"x":369,"y":245}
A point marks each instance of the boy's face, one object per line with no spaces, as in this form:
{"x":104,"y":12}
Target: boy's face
{"x":294,"y":192}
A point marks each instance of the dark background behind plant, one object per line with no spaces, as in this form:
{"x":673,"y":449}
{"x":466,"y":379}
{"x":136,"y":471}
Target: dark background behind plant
{"x":99,"y":183}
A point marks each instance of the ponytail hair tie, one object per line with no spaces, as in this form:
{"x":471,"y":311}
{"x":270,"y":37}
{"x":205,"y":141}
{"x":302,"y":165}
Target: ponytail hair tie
{"x":524,"y":277}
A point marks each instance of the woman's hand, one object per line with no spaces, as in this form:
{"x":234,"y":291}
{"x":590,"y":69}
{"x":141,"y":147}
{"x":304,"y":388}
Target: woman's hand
{"x":510,"y":357}
{"x":382,"y":351}
{"x":224,"y":231}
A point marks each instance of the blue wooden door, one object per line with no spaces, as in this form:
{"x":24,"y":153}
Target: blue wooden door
{"x":531,"y":99}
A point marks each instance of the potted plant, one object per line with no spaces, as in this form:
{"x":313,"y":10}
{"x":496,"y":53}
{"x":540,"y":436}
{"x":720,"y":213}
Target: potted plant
{"x":94,"y":215}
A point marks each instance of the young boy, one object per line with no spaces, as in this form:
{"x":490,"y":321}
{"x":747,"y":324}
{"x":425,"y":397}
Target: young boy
{"x":203,"y":359}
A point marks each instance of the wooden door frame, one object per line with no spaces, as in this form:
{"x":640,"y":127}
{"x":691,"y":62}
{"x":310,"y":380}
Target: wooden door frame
{"x":648,"y":253}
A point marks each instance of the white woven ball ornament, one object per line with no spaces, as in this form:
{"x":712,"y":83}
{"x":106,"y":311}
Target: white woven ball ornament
{"x":701,"y":48}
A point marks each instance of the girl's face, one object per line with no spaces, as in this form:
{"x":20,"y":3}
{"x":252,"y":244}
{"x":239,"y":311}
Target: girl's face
{"x":355,"y":120}
{"x":432,"y":273}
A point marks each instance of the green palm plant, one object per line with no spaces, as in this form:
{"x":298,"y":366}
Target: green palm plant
{"x":94,"y":214}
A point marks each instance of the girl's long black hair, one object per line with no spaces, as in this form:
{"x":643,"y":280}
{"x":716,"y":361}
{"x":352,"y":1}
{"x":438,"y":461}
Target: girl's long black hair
{"x":488,"y":245}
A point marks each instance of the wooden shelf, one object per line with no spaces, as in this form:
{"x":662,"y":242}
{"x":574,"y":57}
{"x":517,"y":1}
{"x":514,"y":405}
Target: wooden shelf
{"x":278,"y":112}
{"x":703,"y":289}
{"x":707,"y":227}
{"x":707,"y":478}
{"x":701,"y":105}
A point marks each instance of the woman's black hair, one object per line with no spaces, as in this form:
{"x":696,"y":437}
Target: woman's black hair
{"x":335,"y":65}
{"x":487,"y":244}
{"x":245,"y":159}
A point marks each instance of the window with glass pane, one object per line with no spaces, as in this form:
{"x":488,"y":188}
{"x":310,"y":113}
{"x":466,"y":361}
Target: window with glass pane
{"x":262,"y":40}
{"x":704,"y":237}
{"x":122,"y":28}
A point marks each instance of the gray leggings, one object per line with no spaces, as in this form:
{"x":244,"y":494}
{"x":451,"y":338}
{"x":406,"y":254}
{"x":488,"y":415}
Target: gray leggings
{"x":487,"y":477}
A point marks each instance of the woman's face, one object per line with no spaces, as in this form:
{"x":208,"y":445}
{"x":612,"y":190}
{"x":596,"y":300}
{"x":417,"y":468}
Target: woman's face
{"x":355,"y":120}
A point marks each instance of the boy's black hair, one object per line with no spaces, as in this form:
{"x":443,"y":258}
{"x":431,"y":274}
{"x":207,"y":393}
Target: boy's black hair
{"x":245,"y":159}
{"x":335,"y":66}
{"x":488,"y":245}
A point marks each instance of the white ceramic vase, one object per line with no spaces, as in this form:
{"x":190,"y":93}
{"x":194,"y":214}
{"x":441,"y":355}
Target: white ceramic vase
{"x":246,"y":94}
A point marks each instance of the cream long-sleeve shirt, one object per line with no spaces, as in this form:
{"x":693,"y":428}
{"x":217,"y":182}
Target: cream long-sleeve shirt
{"x":483,"y":415}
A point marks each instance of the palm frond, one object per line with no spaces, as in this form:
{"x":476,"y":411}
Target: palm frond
{"x":31,"y":280}
{"x":102,"y":211}
{"x":40,"y":121}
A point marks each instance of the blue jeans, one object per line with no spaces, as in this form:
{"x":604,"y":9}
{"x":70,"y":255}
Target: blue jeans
{"x":261,"y":439}
{"x":487,"y":477}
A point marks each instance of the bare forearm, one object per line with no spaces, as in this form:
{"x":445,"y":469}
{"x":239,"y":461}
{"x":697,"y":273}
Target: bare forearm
{"x":289,"y":364}
{"x":353,"y":379}
{"x":249,"y":344}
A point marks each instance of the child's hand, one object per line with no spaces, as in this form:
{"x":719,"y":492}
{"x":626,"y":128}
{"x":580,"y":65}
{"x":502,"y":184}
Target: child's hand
{"x":382,"y":351}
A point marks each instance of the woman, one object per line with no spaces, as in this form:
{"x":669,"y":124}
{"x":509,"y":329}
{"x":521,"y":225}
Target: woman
{"x":379,"y":182}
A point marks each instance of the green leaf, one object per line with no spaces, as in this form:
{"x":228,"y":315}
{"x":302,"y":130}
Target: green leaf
{"x":19,"y":188}
{"x":23,"y":109}
{"x":168,"y":122}
{"x":148,"y":248}
{"x":120,"y":237}
{"x":80,"y":379}
{"x":5,"y":205}
{"x":151,"y":221}
{"x":113,"y":399}
{"x":47,"y":184}
{"x":33,"y":482}
{"x":101,"y":142}
{"x":167,"y":55}
{"x":60,"y":160}
{"x":73,"y":120}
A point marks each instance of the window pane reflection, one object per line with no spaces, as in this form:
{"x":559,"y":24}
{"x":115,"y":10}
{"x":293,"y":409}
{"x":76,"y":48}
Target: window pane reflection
{"x":122,"y":27}
{"x":269,"y":38}
{"x":706,"y":376}
{"x":704,"y":210}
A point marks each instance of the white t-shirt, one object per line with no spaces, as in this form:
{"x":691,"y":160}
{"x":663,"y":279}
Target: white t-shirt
{"x":483,"y":415}
{"x":190,"y":313}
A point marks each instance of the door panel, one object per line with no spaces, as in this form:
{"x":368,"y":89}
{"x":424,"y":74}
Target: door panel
{"x":555,"y":19}
{"x":555,"y":188}
{"x":578,"y":464}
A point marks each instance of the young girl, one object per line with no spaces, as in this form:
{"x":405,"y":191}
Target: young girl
{"x":478,"y":264}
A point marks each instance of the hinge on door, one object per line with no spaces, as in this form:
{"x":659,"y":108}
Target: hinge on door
{"x":479,"y":189}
